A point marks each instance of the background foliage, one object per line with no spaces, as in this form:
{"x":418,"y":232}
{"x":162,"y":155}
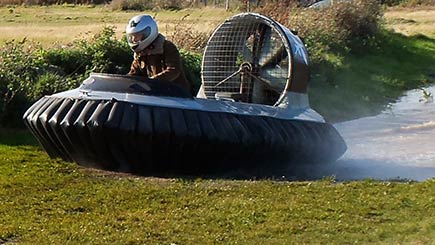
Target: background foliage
{"x":328,"y":29}
{"x":29,"y":71}
{"x":243,"y":5}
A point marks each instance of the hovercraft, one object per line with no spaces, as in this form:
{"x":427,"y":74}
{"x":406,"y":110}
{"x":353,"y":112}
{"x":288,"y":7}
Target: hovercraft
{"x":251,"y":111}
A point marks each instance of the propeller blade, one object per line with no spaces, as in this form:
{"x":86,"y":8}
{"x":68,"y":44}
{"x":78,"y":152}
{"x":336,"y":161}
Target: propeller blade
{"x":272,"y":50}
{"x":266,"y":47}
{"x":272,"y":57}
{"x":271,"y":84}
{"x":276,"y":76}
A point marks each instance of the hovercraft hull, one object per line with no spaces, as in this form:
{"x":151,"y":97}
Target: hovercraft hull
{"x":144,"y":138}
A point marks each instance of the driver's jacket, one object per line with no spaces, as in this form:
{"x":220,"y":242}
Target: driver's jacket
{"x":161,"y":60}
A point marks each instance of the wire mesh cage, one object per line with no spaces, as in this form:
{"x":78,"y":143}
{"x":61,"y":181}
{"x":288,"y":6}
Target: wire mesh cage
{"x":246,"y":59}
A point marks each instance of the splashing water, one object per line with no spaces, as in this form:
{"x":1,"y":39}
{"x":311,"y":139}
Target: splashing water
{"x":399,"y":143}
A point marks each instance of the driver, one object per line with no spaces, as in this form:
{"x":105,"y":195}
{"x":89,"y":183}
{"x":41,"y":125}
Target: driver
{"x":154,"y":56}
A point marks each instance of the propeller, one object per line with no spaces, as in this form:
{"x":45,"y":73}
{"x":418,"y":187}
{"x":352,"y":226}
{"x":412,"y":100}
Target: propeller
{"x":247,"y":55}
{"x":265,"y":52}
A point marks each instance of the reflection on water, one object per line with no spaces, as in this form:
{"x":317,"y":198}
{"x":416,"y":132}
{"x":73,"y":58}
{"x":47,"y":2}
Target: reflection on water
{"x":396,"y":144}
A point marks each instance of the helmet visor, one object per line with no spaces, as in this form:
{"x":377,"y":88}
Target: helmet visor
{"x":137,"y":37}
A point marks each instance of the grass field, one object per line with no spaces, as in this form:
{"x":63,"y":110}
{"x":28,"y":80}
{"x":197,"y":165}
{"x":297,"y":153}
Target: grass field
{"x":418,"y":21}
{"x":46,"y":201}
{"x":62,"y":24}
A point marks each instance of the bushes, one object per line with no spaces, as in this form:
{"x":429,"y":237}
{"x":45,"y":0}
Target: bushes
{"x":360,"y":18}
{"x":102,"y":53}
{"x":332,"y":28}
{"x":185,"y":36}
{"x":19,"y":65}
{"x":416,"y":3}
{"x":141,"y":5}
{"x":138,"y":5}
{"x":408,"y":3}
{"x":50,"y":2}
{"x":28,"y":72}
{"x":50,"y":83}
{"x":192,"y":68}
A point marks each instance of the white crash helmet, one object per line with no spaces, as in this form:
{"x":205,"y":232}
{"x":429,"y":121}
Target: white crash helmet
{"x":141,"y":31}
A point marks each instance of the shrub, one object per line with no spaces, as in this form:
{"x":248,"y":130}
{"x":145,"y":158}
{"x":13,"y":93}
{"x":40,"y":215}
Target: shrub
{"x":28,"y":72}
{"x":141,"y":5}
{"x":137,"y":5}
{"x":185,"y":36}
{"x":331,"y":28}
{"x":415,"y":3}
{"x":68,"y":61}
{"x":18,"y":67}
{"x":408,"y":3}
{"x":361,"y":18}
{"x":192,"y":67}
{"x":391,"y":2}
{"x":50,"y":83}
{"x":104,"y":53}
{"x":50,"y":2}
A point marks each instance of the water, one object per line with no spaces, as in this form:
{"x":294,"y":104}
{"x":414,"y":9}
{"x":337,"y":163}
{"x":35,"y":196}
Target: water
{"x":399,"y":143}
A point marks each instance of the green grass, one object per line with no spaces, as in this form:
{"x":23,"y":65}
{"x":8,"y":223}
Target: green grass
{"x":362,"y":83}
{"x":45,"y":201}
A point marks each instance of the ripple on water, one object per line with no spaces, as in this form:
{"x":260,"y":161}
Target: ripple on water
{"x":398,"y":143}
